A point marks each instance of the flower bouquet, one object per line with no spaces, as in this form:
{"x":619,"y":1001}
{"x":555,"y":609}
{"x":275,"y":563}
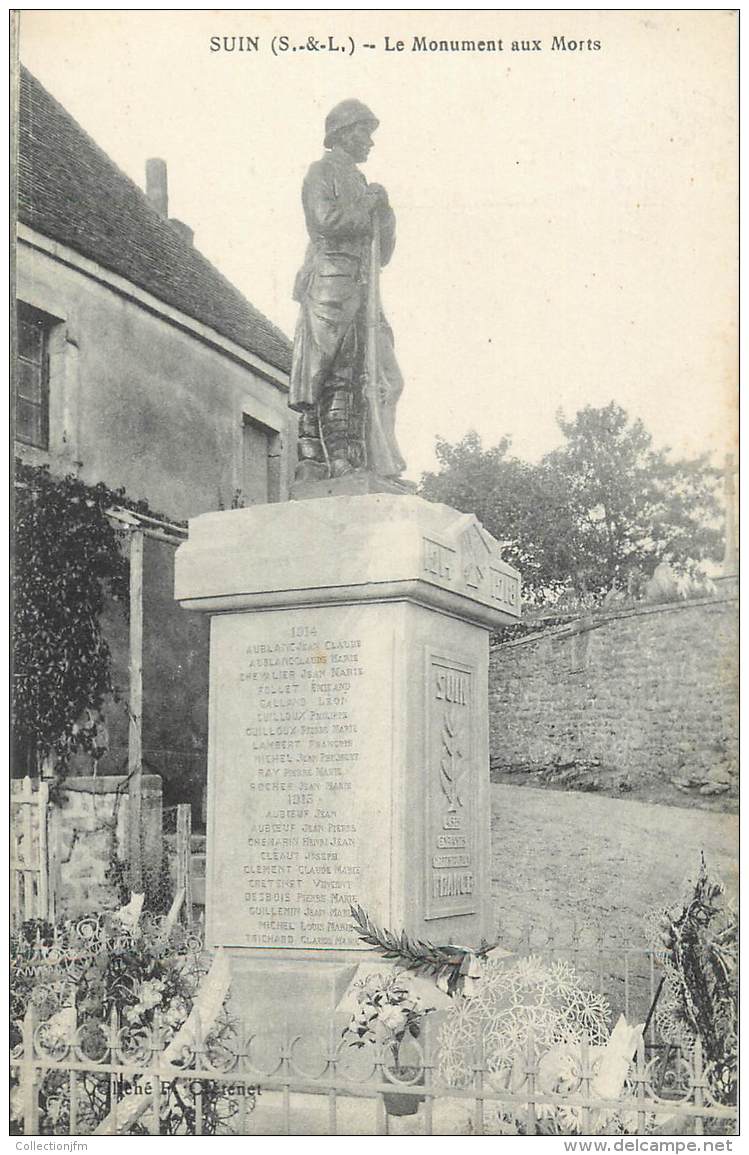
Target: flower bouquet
{"x":389,"y":1013}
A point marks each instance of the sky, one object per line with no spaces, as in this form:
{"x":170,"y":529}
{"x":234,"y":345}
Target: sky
{"x":567,"y":218}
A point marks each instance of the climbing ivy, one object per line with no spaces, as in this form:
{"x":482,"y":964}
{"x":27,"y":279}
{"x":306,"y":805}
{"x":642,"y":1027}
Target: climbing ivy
{"x":68,"y":559}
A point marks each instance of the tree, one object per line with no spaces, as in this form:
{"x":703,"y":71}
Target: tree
{"x":602,"y":508}
{"x":632,"y":505}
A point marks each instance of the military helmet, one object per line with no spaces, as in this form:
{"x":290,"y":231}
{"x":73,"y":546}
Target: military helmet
{"x":344,"y":115}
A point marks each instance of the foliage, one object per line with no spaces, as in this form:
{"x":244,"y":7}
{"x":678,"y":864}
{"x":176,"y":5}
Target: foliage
{"x":117,"y":872}
{"x":700,"y":944}
{"x":83,"y":973}
{"x":68,"y":558}
{"x":452,"y":967}
{"x":632,"y":506}
{"x":98,"y":966}
{"x":598,"y":513}
{"x":67,"y":555}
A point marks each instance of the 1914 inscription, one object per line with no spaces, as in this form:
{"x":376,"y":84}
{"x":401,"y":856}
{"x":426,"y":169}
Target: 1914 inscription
{"x":295,"y":781}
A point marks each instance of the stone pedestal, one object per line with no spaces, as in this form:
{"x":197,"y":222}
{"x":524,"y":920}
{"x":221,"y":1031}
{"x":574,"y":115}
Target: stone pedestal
{"x":348,"y":741}
{"x":351,"y":485}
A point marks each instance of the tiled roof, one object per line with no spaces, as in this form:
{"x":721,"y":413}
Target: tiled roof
{"x":69,"y":190}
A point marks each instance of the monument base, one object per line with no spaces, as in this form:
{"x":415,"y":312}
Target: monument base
{"x":348,"y":736}
{"x":279,"y":998}
{"x":351,"y":485}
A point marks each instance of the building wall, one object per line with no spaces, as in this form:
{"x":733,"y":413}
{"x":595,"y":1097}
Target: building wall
{"x":137,"y":401}
{"x":175,"y":687}
{"x":651,"y":692}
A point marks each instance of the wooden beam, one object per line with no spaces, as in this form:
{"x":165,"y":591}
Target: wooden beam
{"x":184,"y":857}
{"x":30,"y":907}
{"x":152,"y":526}
{"x":135,"y":733}
{"x":45,"y":904}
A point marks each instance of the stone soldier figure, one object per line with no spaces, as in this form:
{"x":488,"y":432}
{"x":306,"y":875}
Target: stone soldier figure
{"x":342,"y":340}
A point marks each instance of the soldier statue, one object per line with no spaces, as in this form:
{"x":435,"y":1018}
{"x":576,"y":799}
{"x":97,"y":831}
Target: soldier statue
{"x":345,"y":380}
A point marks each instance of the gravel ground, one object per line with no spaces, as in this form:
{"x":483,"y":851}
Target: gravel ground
{"x":580,"y":874}
{"x":564,"y":858}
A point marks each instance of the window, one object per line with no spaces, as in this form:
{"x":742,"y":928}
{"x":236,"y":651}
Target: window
{"x":32,"y":376}
{"x":261,"y":465}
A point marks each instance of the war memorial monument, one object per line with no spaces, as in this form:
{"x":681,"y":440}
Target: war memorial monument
{"x":348,"y":740}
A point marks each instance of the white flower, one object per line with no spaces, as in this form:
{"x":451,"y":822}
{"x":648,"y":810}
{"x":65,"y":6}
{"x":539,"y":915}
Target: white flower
{"x":363,"y":1014}
{"x":60,"y":1026}
{"x":393,"y":1018}
{"x":151,"y":993}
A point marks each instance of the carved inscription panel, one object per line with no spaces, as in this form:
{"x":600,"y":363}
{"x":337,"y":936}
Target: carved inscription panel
{"x":475,"y":567}
{"x":300,"y":797}
{"x":451,"y":841}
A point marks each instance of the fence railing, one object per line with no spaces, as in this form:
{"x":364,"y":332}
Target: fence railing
{"x":116,"y":1079}
{"x":187,"y":857}
{"x":32,"y":873}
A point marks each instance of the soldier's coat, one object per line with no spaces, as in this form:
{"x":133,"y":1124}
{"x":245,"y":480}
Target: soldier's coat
{"x":331,"y":286}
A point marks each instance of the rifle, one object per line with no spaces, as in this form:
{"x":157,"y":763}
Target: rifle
{"x":380,"y":457}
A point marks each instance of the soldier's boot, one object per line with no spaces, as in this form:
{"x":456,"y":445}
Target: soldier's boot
{"x":335,"y":421}
{"x":357,"y":454}
{"x":311,"y":464}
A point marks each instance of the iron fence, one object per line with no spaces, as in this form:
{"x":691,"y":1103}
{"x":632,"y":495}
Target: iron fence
{"x":116,"y":1079}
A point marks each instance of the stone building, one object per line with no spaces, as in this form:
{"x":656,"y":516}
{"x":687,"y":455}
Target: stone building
{"x":139,"y":365}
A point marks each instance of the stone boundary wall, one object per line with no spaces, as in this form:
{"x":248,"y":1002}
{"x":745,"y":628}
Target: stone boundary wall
{"x":650,"y":693}
{"x":86,"y":828}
